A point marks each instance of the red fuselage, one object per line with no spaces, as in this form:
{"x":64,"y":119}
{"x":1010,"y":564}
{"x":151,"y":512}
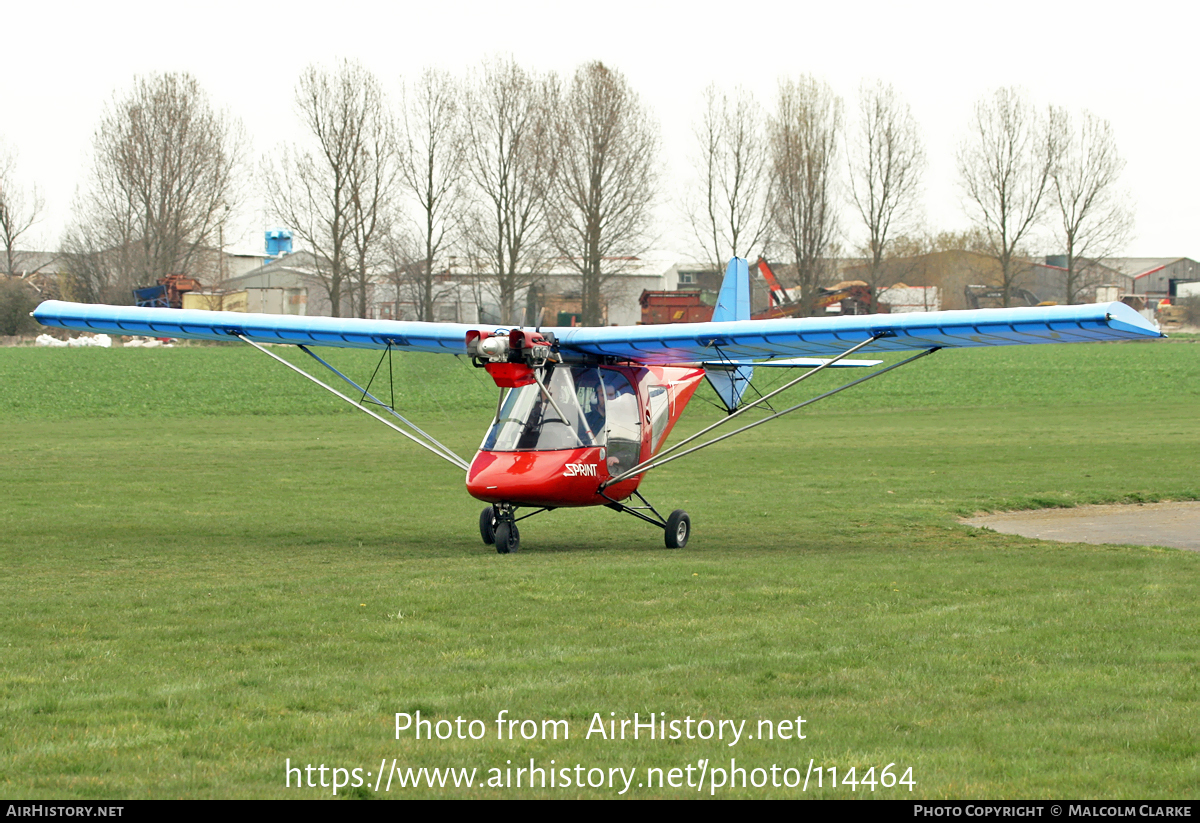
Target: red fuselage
{"x":556,"y":447}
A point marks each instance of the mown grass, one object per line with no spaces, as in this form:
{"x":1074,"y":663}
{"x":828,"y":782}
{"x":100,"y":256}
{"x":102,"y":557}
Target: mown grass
{"x":195,"y":591}
{"x":207,"y":381}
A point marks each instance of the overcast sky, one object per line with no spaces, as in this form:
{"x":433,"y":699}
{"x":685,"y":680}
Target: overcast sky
{"x":1131,"y":64}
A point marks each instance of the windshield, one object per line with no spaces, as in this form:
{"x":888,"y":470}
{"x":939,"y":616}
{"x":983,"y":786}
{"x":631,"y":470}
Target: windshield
{"x":528,"y":421}
{"x":591,"y":407}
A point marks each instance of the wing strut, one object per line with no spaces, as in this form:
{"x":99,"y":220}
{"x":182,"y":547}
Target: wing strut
{"x":424,"y":440}
{"x":638,"y":469}
{"x":661,"y":457}
{"x":365,"y":394}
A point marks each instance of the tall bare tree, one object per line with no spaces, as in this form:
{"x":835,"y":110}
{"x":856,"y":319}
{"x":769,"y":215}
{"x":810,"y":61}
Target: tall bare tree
{"x":334,"y":194}
{"x":373,"y":181}
{"x":803,"y":143}
{"x":92,"y":270}
{"x":1005,"y":167}
{"x":165,"y":177}
{"x":731,"y":216}
{"x":403,"y":269}
{"x":432,"y":169}
{"x":19,"y":212}
{"x":1095,"y":220}
{"x":886,"y":161}
{"x":601,"y":197}
{"x":509,"y":160}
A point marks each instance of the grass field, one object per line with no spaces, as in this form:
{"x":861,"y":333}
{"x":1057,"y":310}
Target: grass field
{"x":210,"y":570}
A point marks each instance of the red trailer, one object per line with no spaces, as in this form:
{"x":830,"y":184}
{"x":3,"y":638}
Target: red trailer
{"x":684,"y":306}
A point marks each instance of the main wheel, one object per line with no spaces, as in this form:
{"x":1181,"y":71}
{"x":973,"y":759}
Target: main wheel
{"x":679,"y":527}
{"x":508,"y":538}
{"x":487,"y":525}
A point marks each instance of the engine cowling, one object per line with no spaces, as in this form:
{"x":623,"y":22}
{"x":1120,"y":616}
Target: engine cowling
{"x":510,"y":358}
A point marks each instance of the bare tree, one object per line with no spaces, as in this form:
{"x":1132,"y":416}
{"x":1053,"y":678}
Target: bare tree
{"x":972,"y":240}
{"x":600,"y":201}
{"x":432,"y":169}
{"x":886,"y":161}
{"x":92,"y":270}
{"x":1095,"y":222}
{"x":19,"y":212}
{"x":731,"y":217}
{"x":803,"y":144}
{"x":165,"y":177}
{"x":1005,"y":169}
{"x":335,"y":195}
{"x":17,"y":299}
{"x":406,"y":278}
{"x":509,"y":160}
{"x":373,"y":179}
{"x":403,"y":264}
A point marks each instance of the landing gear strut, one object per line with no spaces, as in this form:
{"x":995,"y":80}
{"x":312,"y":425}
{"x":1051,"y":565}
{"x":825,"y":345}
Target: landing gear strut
{"x":498,"y":524}
{"x":676,"y":529}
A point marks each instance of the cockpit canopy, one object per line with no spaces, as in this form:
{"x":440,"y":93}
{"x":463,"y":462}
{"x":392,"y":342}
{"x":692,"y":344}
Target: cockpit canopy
{"x":581,"y":406}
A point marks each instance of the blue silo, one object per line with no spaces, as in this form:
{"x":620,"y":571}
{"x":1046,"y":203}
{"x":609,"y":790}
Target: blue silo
{"x":279,"y":242}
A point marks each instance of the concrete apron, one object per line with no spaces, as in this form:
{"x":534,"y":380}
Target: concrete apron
{"x":1175,"y":525}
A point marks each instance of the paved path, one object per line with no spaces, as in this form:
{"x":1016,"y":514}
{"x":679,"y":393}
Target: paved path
{"x":1176,"y":525}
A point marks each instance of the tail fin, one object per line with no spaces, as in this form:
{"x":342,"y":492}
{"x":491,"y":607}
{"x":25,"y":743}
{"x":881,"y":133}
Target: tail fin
{"x":733,"y":303}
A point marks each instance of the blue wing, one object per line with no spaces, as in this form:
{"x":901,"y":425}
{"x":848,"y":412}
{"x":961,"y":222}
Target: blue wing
{"x":743,"y":340}
{"x":736,"y":340}
{"x":192,"y":324}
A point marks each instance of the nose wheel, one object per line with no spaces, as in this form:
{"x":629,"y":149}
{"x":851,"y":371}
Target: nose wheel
{"x":487,"y":526}
{"x":498,"y":527}
{"x":508,"y":538}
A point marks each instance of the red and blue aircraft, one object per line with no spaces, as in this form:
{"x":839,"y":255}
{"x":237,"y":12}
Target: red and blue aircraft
{"x":583,"y":413}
